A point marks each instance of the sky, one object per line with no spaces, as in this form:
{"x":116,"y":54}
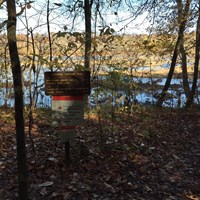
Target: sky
{"x":36,"y":16}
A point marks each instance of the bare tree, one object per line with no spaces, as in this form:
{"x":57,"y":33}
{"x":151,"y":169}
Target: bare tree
{"x":19,"y":106}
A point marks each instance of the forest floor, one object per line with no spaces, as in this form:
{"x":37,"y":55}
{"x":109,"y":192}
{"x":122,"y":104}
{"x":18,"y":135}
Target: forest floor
{"x":149,"y":155}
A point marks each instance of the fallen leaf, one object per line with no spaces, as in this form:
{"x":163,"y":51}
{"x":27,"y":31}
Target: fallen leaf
{"x":53,"y":159}
{"x":110,"y":187}
{"x":46,"y":184}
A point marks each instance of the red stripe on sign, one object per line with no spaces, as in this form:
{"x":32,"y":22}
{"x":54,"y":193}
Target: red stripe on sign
{"x":62,"y":98}
{"x":67,"y":127}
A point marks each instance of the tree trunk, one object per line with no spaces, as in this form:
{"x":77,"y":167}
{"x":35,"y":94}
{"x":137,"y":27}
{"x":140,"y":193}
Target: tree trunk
{"x":182,"y":26}
{"x":186,"y":86}
{"x":49,"y":37}
{"x":170,"y":74}
{"x":196,"y":62}
{"x":87,"y":7}
{"x":6,"y":74}
{"x":19,"y":106}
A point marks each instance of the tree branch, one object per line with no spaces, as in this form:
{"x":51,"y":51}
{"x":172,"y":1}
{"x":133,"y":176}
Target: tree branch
{"x":1,"y":2}
{"x":2,"y":24}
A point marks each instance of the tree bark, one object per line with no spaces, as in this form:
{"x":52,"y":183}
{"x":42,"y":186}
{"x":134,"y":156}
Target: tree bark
{"x":186,"y":86}
{"x":196,"y":62}
{"x":88,"y":34}
{"x":49,"y":37}
{"x":19,"y":105}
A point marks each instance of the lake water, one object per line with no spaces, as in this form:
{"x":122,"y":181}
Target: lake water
{"x":141,"y":95}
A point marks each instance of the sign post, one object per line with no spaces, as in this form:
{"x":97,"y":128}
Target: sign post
{"x":68,"y":90}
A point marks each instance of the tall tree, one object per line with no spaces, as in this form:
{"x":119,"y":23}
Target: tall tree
{"x":183,"y":53}
{"x":19,"y":106}
{"x":196,"y":62}
{"x":49,"y":35}
{"x":182,"y":25}
{"x":88,"y":7}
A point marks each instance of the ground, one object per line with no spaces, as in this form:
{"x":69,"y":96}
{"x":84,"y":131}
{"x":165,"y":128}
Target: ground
{"x":152,"y":154}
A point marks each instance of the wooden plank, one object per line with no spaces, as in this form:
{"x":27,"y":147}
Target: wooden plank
{"x":67,"y":83}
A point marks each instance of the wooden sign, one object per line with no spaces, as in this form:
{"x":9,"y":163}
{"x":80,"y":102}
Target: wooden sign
{"x":67,"y":83}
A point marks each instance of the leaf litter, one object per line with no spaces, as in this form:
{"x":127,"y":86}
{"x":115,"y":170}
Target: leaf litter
{"x":125,"y":159}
